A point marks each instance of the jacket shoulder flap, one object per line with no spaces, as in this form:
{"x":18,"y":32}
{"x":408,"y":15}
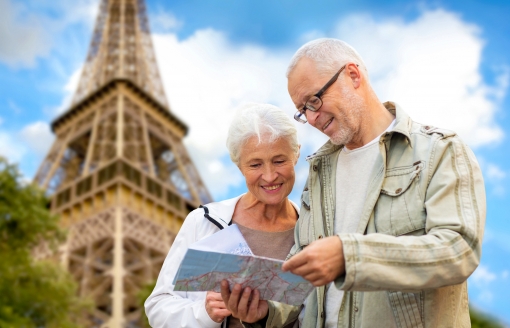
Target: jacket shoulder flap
{"x":427,"y":129}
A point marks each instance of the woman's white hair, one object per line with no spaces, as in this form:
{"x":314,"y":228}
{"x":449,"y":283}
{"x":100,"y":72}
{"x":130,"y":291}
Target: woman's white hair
{"x":328,"y":54}
{"x":261,"y":121}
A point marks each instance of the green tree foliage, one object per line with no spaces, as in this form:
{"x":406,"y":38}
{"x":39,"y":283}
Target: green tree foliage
{"x":482,"y":320}
{"x":32,"y":293}
{"x":142,"y":295}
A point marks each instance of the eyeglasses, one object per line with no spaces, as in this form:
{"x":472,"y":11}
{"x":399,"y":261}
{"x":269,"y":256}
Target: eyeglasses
{"x":314,"y":103}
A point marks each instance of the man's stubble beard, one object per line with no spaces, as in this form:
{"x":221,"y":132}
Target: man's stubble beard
{"x":350,"y":124}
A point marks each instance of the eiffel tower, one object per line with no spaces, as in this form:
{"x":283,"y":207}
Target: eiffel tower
{"x":119,"y":175}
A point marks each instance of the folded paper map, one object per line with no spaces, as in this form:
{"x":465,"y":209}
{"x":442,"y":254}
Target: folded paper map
{"x":226,"y":255}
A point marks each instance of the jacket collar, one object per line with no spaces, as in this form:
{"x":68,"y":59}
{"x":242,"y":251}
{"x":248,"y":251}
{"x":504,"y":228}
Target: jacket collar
{"x":402,"y":125}
{"x":403,"y":122}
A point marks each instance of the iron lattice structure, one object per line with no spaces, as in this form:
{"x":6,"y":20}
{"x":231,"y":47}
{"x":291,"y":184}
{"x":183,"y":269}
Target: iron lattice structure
{"x":119,"y":175}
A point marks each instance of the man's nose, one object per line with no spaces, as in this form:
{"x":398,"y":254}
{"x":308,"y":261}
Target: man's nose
{"x":311,"y":117}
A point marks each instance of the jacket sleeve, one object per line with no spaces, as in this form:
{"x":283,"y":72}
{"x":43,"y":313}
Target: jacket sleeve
{"x":166,"y":308}
{"x":450,"y":249}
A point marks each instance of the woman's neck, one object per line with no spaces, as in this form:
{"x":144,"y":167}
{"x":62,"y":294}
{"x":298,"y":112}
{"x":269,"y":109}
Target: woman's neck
{"x":252,"y":213}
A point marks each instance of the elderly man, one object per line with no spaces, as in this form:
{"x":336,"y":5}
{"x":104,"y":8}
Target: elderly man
{"x":392,"y":214}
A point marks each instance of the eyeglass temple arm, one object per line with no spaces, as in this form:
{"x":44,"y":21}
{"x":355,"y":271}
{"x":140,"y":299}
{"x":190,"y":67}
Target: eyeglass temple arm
{"x":330,"y":82}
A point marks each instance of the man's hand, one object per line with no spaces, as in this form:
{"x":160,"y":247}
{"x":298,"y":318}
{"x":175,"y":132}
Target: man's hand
{"x":320,"y":263}
{"x":215,"y":307}
{"x":238,"y":302}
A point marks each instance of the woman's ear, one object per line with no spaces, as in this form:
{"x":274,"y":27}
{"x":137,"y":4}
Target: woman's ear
{"x":297,"y":155}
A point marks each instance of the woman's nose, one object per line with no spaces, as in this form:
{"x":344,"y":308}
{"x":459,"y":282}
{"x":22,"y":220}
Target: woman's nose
{"x":269,"y":174}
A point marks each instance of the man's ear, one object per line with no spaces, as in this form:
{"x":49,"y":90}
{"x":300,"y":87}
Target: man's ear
{"x":355,"y":74}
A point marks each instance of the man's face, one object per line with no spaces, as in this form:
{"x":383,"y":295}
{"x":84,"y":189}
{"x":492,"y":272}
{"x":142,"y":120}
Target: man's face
{"x":341,"y":112}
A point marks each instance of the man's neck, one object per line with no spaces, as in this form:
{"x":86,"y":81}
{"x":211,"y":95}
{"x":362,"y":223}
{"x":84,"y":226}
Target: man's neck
{"x":376,"y":120}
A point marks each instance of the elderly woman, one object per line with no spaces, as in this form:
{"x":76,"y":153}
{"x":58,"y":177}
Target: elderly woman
{"x":262,"y":142}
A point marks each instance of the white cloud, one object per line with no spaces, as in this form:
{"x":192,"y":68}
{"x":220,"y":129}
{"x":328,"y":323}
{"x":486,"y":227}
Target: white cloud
{"x":483,"y":276}
{"x":494,"y":172}
{"x":11,"y":148}
{"x":431,"y":66}
{"x":68,"y":90}
{"x":494,"y":175}
{"x":15,"y":108}
{"x":311,"y":35}
{"x":206,"y":78}
{"x":482,"y":281}
{"x":31,"y":29}
{"x":164,"y":21}
{"x":497,"y":177}
{"x":498,"y":237}
{"x":23,"y":36}
{"x":26,"y":146}
{"x":485,"y":296}
{"x":38,"y":137}
{"x":78,"y":11}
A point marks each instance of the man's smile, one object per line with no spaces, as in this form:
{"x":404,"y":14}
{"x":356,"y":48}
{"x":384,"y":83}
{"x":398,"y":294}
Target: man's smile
{"x":325,"y":126}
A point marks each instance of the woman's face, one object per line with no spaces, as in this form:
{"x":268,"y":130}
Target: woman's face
{"x":268,"y":168}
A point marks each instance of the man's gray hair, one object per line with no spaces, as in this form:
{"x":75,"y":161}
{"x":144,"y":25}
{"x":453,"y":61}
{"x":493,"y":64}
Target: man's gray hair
{"x":328,"y":54}
{"x":260,"y":120}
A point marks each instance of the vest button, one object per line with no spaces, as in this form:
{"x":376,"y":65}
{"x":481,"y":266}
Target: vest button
{"x":315,"y":167}
{"x":320,"y":236}
{"x":398,"y":191}
{"x":355,"y":309}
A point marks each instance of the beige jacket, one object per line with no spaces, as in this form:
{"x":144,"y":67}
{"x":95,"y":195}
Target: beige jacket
{"x":419,"y":237}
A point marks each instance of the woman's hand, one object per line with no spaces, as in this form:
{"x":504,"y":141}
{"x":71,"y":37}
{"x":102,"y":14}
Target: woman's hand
{"x":215,"y":307}
{"x":238,"y":302}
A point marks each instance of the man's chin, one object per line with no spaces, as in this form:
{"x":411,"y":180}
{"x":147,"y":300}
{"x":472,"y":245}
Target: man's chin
{"x":335,"y":142}
{"x":339,"y":140}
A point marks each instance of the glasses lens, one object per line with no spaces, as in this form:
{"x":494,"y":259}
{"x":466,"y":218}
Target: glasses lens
{"x":313,"y":104}
{"x":300,"y":117}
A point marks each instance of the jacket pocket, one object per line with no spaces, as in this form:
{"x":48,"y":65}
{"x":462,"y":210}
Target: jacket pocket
{"x":407,"y":309}
{"x":399,"y":209}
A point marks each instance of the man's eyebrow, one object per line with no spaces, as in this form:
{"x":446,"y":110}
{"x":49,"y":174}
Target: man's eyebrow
{"x":302,"y":101}
{"x":305,"y":99}
{"x":297,"y":106}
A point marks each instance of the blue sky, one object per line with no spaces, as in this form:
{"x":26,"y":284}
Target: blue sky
{"x":446,"y":62}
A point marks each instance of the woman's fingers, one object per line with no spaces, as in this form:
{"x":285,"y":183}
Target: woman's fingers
{"x":215,"y":307}
{"x":239,"y":304}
